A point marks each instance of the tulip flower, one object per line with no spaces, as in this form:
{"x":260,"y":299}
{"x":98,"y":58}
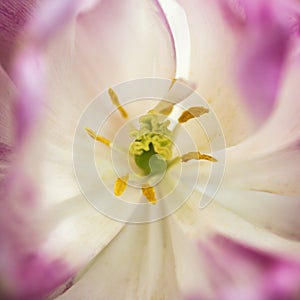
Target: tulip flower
{"x":67,"y":68}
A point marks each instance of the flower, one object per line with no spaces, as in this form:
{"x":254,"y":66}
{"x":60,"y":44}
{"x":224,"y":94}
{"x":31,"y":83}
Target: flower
{"x":54,"y":242}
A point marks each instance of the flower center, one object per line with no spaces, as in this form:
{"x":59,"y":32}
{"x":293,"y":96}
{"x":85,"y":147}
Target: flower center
{"x":152,"y":146}
{"x":151,"y":151}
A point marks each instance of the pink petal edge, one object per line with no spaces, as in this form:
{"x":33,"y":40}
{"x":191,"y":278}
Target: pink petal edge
{"x":26,"y":271}
{"x":237,"y":271}
{"x":265,"y":32}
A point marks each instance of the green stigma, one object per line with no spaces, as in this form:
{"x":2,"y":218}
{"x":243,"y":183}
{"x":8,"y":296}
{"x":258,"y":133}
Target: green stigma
{"x":152,"y":146}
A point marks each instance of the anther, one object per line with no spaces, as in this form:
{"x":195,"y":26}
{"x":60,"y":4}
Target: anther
{"x":197,"y":156}
{"x":166,"y":110}
{"x":149,"y":193}
{"x":115,"y":100}
{"x":98,"y":138}
{"x":120,"y":185}
{"x":172,"y":83}
{"x":162,"y":108}
{"x":193,"y":112}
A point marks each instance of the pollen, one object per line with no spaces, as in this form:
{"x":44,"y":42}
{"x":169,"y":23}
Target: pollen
{"x":197,"y":156}
{"x":193,"y":112}
{"x":149,"y":193}
{"x":98,"y":138}
{"x":120,"y":185}
{"x":115,"y":100}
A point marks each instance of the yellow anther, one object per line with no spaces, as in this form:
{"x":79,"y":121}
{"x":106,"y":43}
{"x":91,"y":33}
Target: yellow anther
{"x":115,"y":100}
{"x":96,"y":137}
{"x":196,"y":155}
{"x":151,"y":112}
{"x":164,"y":107}
{"x":149,"y":193}
{"x":167,"y":110}
{"x":120,"y":185}
{"x":193,"y":112}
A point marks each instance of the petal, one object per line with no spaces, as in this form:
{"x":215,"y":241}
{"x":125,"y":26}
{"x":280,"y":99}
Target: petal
{"x":197,"y":221}
{"x":13,"y":17}
{"x":273,"y":212}
{"x":264,"y":29}
{"x":70,"y":89}
{"x":28,"y":75}
{"x":281,"y":130}
{"x":236,"y":271}
{"x":24,"y":262}
{"x":7,"y":91}
{"x":198,"y":274}
{"x":275,"y":172}
{"x":177,"y":23}
{"x":51,"y":17}
{"x":262,"y":174}
{"x":191,"y":279}
{"x":132,"y":27}
{"x":139,"y":262}
{"x":213,"y":55}
{"x":81,"y":230}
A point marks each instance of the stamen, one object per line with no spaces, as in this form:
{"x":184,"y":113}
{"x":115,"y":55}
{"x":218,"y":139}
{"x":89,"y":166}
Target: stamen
{"x":162,"y":108}
{"x":167,"y":110}
{"x":98,"y":138}
{"x":149,"y":193}
{"x":197,"y":156}
{"x":115,"y":100}
{"x":120,"y":185}
{"x":172,"y":83}
{"x":193,"y":112}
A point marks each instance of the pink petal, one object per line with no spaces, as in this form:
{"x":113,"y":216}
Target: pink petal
{"x":265,"y":31}
{"x":28,"y":76}
{"x":262,"y":174}
{"x":28,"y":271}
{"x":51,"y":17}
{"x":14,"y":15}
{"x":7,"y":91}
{"x":236,"y":271}
{"x":282,"y":129}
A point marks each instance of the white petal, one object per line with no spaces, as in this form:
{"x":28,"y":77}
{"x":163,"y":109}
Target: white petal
{"x":275,"y":172}
{"x":137,"y":264}
{"x":276,"y":213}
{"x":198,"y":222}
{"x":81,"y":230}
